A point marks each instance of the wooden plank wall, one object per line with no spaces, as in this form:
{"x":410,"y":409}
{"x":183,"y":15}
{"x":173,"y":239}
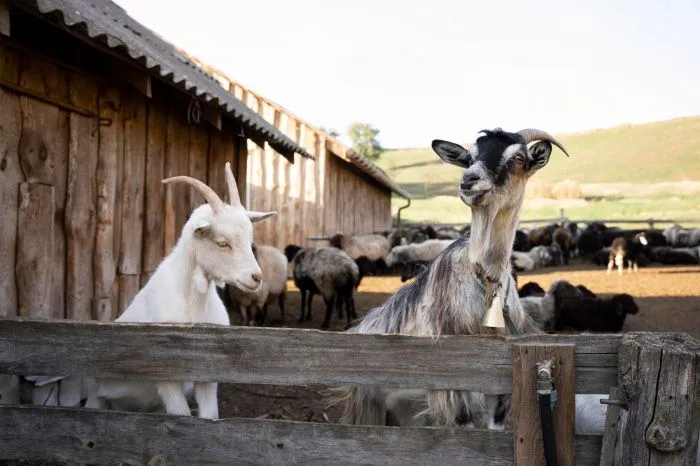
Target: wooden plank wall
{"x":90,"y":194}
{"x":313,"y":198}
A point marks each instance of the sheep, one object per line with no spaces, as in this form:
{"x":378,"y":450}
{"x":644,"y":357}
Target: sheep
{"x":521,"y":242}
{"x":678,"y":236}
{"x":675,"y":256}
{"x":453,"y":294}
{"x":447,"y":233}
{"x":594,"y":314}
{"x":544,"y":256}
{"x":522,"y":261}
{"x":590,"y":241}
{"x":540,"y":309}
{"x":530,"y":289}
{"x":624,"y":249}
{"x":563,"y":238}
{"x":373,"y":247}
{"x":215,"y":247}
{"x":542,"y":236}
{"x":421,"y":252}
{"x":562,"y":289}
{"x":253,"y":305}
{"x":537,"y":257}
{"x":329,"y":272}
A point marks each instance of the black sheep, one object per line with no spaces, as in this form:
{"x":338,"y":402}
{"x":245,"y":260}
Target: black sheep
{"x":530,"y":289}
{"x":595,"y":314}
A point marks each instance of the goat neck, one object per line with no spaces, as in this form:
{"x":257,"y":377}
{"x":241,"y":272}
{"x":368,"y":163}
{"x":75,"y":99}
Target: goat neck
{"x":491,"y":240}
{"x":188,"y":276}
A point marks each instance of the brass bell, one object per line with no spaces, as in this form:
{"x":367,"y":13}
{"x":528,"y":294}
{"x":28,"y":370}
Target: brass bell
{"x":494,"y":315}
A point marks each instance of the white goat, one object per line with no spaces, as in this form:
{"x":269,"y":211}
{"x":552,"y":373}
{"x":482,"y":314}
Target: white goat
{"x":215,"y":247}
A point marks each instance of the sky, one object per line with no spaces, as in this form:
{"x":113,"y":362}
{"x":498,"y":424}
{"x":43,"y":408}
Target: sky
{"x":420,"y":70}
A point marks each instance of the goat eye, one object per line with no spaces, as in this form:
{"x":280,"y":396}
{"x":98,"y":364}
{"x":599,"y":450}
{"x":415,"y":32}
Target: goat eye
{"x":223,"y":244}
{"x":520,"y":159}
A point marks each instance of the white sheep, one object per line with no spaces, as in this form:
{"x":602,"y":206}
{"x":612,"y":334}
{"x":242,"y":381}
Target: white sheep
{"x":426,"y":251}
{"x":253,"y":305}
{"x":373,"y":247}
{"x":535,"y":258}
{"x":522,"y":261}
{"x":541,"y":309}
{"x":215,"y":247}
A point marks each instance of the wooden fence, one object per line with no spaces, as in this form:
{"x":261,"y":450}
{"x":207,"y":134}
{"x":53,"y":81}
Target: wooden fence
{"x":489,"y":364}
{"x":651,"y":222}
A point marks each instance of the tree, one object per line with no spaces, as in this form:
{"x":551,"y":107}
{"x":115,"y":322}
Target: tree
{"x":364,"y":140}
{"x":334,"y":133}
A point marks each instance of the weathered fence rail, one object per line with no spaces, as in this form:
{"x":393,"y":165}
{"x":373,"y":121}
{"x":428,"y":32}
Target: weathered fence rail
{"x":106,"y":437}
{"x":284,"y":356}
{"x":490,"y":364}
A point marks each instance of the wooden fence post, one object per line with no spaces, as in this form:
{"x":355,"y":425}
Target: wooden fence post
{"x":529,"y":448}
{"x":659,"y":379}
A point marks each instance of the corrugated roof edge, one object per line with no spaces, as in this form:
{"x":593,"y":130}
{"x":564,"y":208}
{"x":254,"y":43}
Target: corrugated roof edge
{"x":336,"y":147}
{"x":106,"y":23}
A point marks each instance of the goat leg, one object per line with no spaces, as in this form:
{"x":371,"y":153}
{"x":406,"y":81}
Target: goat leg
{"x":207,"y":404}
{"x":173,"y":398}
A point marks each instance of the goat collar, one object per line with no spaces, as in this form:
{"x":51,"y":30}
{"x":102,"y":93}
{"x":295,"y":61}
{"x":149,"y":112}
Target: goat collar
{"x":481,"y":275}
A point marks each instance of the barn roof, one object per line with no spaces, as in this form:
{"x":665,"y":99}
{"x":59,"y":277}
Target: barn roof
{"x":106,"y":23}
{"x":340,"y":150}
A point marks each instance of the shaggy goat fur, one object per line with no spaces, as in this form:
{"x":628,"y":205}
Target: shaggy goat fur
{"x":450,"y":296}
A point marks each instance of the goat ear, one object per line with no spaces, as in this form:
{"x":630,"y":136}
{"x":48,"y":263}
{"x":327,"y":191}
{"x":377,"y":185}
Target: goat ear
{"x":539,"y":153}
{"x":452,"y":153}
{"x":259,"y":216}
{"x":203,"y":229}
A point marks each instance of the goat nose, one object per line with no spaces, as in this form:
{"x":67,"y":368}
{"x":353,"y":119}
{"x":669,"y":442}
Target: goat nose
{"x":256,"y":277}
{"x":468,"y":181}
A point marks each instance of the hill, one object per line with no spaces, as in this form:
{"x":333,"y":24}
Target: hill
{"x":618,"y":168}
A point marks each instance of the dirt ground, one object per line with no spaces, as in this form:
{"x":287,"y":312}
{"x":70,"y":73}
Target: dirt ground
{"x":668,"y":298}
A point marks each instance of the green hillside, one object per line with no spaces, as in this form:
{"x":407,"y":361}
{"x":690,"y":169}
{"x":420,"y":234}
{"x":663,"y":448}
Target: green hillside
{"x":619,"y":170}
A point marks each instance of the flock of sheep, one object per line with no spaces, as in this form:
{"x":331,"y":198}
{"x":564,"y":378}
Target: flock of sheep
{"x":456,"y":277}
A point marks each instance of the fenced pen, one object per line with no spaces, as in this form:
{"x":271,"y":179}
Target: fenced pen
{"x":651,"y":222}
{"x":658,"y":375}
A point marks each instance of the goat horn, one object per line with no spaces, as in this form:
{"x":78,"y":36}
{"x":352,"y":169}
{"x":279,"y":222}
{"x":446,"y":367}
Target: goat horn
{"x":531,"y":134}
{"x":233,"y":197}
{"x":211,"y":197}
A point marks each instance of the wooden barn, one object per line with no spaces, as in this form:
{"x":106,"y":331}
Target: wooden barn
{"x":338,"y":191}
{"x":96,"y":109}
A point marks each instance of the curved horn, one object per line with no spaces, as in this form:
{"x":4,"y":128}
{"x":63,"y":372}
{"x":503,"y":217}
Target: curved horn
{"x":233,"y":198}
{"x":211,"y":197}
{"x":531,"y":134}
